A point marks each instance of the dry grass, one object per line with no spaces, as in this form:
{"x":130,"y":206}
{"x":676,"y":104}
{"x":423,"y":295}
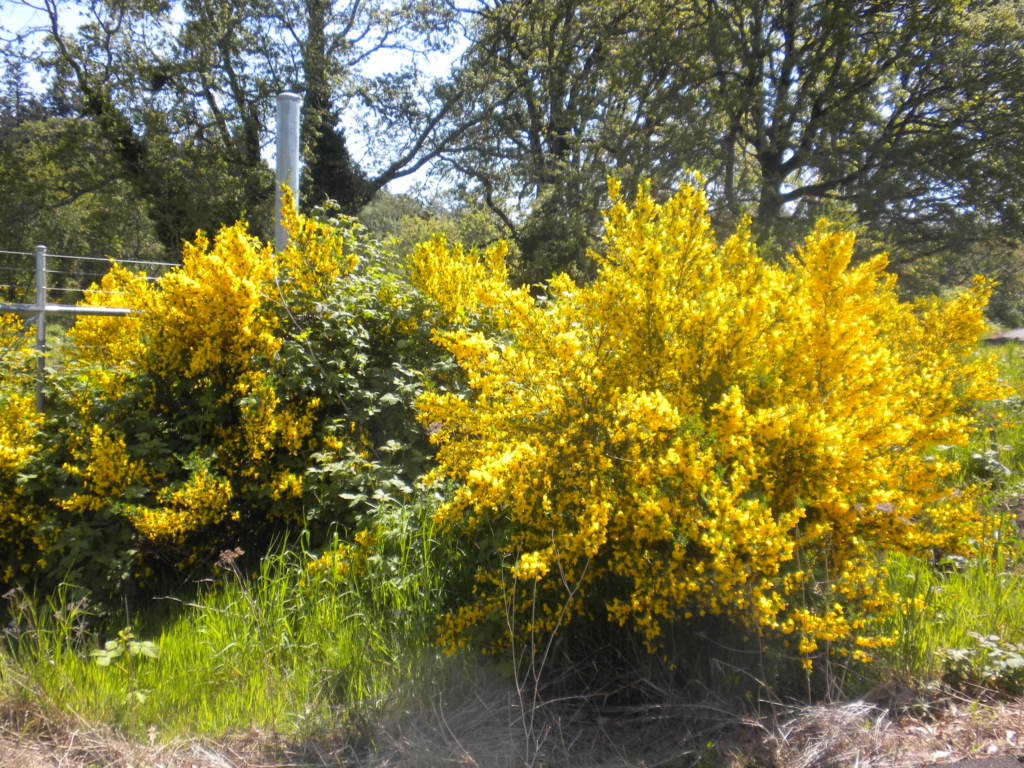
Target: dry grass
{"x":859,"y":734}
{"x":489,"y":732}
{"x":31,"y":738}
{"x":485,"y":730}
{"x":64,"y":743}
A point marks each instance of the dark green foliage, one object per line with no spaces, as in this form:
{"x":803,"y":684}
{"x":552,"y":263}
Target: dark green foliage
{"x":365,"y":353}
{"x":554,"y":239}
{"x":404,"y":221}
{"x":907,"y":115}
{"x":361,"y":355}
{"x":333,"y":174}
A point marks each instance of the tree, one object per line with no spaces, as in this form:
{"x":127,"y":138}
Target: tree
{"x":568,"y":92}
{"x":332,"y":173}
{"x":59,"y":187}
{"x":404,"y":222}
{"x":186,"y":102}
{"x":902,"y":116}
{"x":56,"y":188}
{"x":899,"y":109}
{"x":157,"y":99}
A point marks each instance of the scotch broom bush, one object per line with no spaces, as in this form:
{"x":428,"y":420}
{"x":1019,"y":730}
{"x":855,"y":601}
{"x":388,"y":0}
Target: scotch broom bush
{"x":252,"y":393}
{"x":698,"y":431}
{"x":18,"y":425}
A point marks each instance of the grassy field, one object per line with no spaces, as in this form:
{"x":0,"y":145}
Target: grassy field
{"x":289,"y":648}
{"x":309,"y":666}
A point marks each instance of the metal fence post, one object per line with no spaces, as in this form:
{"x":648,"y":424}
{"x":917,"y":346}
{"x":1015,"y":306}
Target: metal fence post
{"x":40,"y":324}
{"x":287,"y":158}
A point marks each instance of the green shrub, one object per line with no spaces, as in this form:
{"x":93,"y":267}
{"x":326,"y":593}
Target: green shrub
{"x":253,"y":393}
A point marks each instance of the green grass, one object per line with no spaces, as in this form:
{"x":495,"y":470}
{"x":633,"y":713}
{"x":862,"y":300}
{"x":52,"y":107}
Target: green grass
{"x":983,"y":597}
{"x":951,"y":603}
{"x":306,"y":653}
{"x":289,"y":651}
{"x":996,"y":450}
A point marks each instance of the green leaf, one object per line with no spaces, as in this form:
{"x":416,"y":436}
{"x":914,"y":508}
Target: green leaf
{"x":145,"y":648}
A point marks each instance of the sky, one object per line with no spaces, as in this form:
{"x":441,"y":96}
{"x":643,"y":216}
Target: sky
{"x":16,"y":16}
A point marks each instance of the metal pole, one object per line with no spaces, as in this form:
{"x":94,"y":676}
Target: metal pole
{"x":287,"y":158}
{"x":40,"y":324}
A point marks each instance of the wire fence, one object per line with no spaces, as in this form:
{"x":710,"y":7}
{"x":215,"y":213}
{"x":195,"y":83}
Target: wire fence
{"x":30,"y":285}
{"x":65,"y":283}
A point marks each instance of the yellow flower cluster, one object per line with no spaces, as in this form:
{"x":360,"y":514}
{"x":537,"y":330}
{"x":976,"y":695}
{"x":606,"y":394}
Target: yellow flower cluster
{"x":111,"y":348}
{"x":207,"y":329}
{"x":459,"y":280}
{"x":346,"y":560}
{"x":18,"y":419}
{"x":699,"y":431}
{"x":18,"y":425}
{"x":104,"y":467}
{"x":200,"y":501}
{"x":316,"y":255}
{"x":206,"y":318}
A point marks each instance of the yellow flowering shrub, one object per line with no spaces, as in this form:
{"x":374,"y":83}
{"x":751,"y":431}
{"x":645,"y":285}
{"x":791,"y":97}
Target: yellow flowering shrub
{"x":699,"y":431}
{"x":317,"y":254}
{"x":203,"y":332}
{"x":18,"y":419}
{"x":19,"y":423}
{"x":248,"y":393}
{"x":346,"y":560}
{"x":205,"y":319}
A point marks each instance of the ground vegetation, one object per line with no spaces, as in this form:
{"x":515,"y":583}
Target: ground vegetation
{"x":317,"y":495}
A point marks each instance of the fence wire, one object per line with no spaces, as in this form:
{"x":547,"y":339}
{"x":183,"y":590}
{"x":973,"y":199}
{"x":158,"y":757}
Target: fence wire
{"x":37,"y":306}
{"x":23,"y":292}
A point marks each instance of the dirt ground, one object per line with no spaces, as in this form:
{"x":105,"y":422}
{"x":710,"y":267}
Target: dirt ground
{"x":488,"y":733}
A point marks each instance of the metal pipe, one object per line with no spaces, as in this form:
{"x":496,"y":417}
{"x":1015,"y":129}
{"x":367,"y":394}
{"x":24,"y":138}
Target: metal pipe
{"x":65,"y":309}
{"x":287,"y":158}
{"x":40,"y":324}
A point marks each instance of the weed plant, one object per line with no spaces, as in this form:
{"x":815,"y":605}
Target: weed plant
{"x":286,"y":649}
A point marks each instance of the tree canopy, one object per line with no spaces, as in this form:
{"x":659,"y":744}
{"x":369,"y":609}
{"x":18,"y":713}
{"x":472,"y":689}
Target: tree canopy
{"x":900,"y":118}
{"x":183,"y":96}
{"x":903,"y":115}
